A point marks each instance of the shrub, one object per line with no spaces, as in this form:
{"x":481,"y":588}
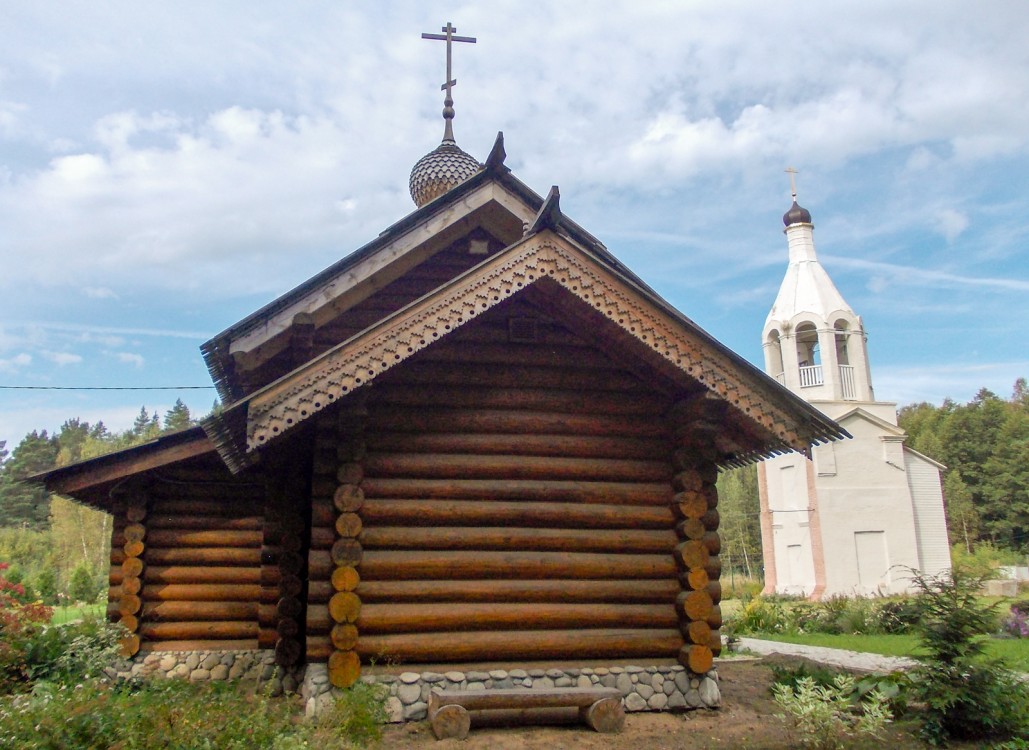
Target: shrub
{"x":762,"y":615}
{"x":965,"y":697}
{"x":82,"y":586}
{"x":826,"y":716}
{"x":356,"y":717}
{"x":1016,"y":624}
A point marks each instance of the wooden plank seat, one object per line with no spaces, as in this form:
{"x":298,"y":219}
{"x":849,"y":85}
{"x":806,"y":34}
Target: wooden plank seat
{"x":600,"y":707}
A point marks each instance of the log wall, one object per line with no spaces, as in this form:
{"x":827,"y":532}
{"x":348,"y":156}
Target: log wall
{"x":517,"y":503}
{"x":187,"y":563}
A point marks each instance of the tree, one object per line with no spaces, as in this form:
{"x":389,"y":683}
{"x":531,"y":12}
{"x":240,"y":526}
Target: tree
{"x":1006,"y":482}
{"x":46,"y":585}
{"x":740,"y":527}
{"x":962,"y":517}
{"x":82,"y":586}
{"x":22,"y":503}
{"x":178,"y":417}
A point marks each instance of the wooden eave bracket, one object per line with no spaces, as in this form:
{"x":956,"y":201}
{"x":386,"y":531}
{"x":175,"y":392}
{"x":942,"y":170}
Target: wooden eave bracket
{"x":549,"y":215}
{"x":497,"y":155}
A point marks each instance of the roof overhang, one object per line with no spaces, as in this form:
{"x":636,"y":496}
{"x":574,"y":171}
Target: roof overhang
{"x":787,"y":422}
{"x":92,"y":480}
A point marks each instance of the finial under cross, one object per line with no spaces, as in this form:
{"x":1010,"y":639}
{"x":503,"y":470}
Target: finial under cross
{"x":448,"y":102}
{"x":793,"y":182}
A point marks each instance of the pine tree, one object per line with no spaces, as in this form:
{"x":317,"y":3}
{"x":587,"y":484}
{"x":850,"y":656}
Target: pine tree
{"x":178,"y":417}
{"x":23,"y":503}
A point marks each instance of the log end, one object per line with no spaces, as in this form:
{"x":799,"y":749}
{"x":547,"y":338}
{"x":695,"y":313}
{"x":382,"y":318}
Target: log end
{"x":344,"y":668}
{"x":450,"y":721}
{"x":606,"y":715}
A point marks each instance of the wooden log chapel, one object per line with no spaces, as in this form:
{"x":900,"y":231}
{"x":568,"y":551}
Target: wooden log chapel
{"x":479,"y":438}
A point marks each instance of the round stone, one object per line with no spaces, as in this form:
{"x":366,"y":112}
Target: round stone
{"x":410,"y":677}
{"x":634,"y":702}
{"x":624,"y":683}
{"x":220,"y":672}
{"x":409,"y":693}
{"x":658,"y":701}
{"x":644,"y":691}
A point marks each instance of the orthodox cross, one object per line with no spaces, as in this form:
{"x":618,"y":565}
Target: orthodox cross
{"x":793,"y":183}
{"x":448,"y":102}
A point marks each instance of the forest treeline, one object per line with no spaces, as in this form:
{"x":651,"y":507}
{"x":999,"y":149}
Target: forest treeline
{"x":59,"y":549}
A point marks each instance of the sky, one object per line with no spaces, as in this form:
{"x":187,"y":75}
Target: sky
{"x":167,"y":168}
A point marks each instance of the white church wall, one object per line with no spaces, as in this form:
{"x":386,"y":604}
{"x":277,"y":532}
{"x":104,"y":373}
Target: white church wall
{"x":930,"y":513}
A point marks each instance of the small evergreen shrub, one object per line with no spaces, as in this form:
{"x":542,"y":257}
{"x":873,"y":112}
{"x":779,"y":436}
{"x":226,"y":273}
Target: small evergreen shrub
{"x":965,"y":696}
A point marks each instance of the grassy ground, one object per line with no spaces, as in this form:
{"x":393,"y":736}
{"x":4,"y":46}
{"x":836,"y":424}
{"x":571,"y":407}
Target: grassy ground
{"x":77,"y":612}
{"x":1015,"y":652}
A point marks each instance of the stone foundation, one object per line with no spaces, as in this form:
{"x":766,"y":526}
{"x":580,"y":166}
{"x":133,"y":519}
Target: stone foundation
{"x":643,"y":688}
{"x":203,"y":666}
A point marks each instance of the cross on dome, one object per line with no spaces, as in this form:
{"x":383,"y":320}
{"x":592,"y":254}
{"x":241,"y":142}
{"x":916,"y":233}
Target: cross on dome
{"x":448,"y":102}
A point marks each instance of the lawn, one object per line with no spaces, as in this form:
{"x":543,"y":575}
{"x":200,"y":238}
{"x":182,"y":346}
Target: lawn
{"x":1014,"y":651}
{"x":77,"y":612}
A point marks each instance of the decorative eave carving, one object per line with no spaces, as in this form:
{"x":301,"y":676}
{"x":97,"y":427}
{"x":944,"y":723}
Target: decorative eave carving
{"x":280,"y":406}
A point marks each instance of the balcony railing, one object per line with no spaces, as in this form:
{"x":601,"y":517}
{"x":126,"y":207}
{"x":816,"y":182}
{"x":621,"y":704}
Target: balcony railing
{"x":811,"y":375}
{"x":847,"y":382}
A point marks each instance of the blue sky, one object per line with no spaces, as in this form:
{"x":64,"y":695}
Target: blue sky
{"x":166,"y":168}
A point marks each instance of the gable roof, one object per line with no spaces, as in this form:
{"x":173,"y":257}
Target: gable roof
{"x":549,"y":254}
{"x":858,"y":413}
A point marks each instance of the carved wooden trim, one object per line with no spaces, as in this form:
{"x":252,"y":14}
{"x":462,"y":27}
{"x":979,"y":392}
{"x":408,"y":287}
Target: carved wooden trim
{"x":353,"y":364}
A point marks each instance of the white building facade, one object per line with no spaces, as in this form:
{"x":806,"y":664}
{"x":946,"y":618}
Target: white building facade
{"x":856,"y":516}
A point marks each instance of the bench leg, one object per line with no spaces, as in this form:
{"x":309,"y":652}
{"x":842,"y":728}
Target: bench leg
{"x":606,"y":715}
{"x":450,"y":721}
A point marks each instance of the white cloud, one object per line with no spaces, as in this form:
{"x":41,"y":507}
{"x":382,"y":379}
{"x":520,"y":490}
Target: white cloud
{"x":62,"y":358}
{"x":99,"y":292}
{"x":130,"y":358}
{"x":15,"y":362}
{"x":951,"y":223}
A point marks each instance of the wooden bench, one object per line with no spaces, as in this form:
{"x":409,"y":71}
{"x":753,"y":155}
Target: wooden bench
{"x":600,"y":707}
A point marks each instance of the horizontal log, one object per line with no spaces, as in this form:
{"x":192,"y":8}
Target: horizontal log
{"x":532,"y":399}
{"x":219,"y":504}
{"x":205,"y":538}
{"x":434,"y":565}
{"x":202,"y":593}
{"x":511,"y":376}
{"x":268,"y":614}
{"x":319,"y":565}
{"x":628,"y":493}
{"x":571,"y":446}
{"x":199,"y":610}
{"x":173,"y":631}
{"x":205,"y":522}
{"x":323,"y":513}
{"x":638,"y":591}
{"x":319,"y":592}
{"x":241,"y":556}
{"x":512,"y":538}
{"x":322,"y":537}
{"x":267,"y":637}
{"x":205,"y":645}
{"x":422,"y":618}
{"x":522,"y":644}
{"x":444,"y":512}
{"x":563,"y":357}
{"x":188,"y":574}
{"x":390,"y":419}
{"x":553,"y":468}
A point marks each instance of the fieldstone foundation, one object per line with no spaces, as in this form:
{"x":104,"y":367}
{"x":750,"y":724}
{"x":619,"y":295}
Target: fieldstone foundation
{"x":202,"y":666}
{"x":643,"y":688}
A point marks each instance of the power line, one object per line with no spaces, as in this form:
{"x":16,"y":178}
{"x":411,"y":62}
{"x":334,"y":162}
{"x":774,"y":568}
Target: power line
{"x":107,"y":388}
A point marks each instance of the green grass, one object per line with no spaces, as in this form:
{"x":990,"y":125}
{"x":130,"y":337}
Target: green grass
{"x":1014,"y":651}
{"x":77,"y":612}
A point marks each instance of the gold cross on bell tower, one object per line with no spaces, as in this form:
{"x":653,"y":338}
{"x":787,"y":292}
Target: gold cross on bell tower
{"x":793,"y":182}
{"x":448,"y":103}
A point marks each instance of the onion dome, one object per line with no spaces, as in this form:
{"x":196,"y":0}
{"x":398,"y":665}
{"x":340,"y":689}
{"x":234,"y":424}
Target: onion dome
{"x":446,"y":167}
{"x":796,"y":215}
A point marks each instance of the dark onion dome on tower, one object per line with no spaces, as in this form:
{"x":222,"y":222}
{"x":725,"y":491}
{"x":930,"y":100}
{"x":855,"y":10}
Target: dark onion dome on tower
{"x":796,"y":215}
{"x":446,"y":167}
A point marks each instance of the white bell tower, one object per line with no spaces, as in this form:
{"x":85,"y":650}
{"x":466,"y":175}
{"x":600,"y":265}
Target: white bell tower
{"x":858,"y":512}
